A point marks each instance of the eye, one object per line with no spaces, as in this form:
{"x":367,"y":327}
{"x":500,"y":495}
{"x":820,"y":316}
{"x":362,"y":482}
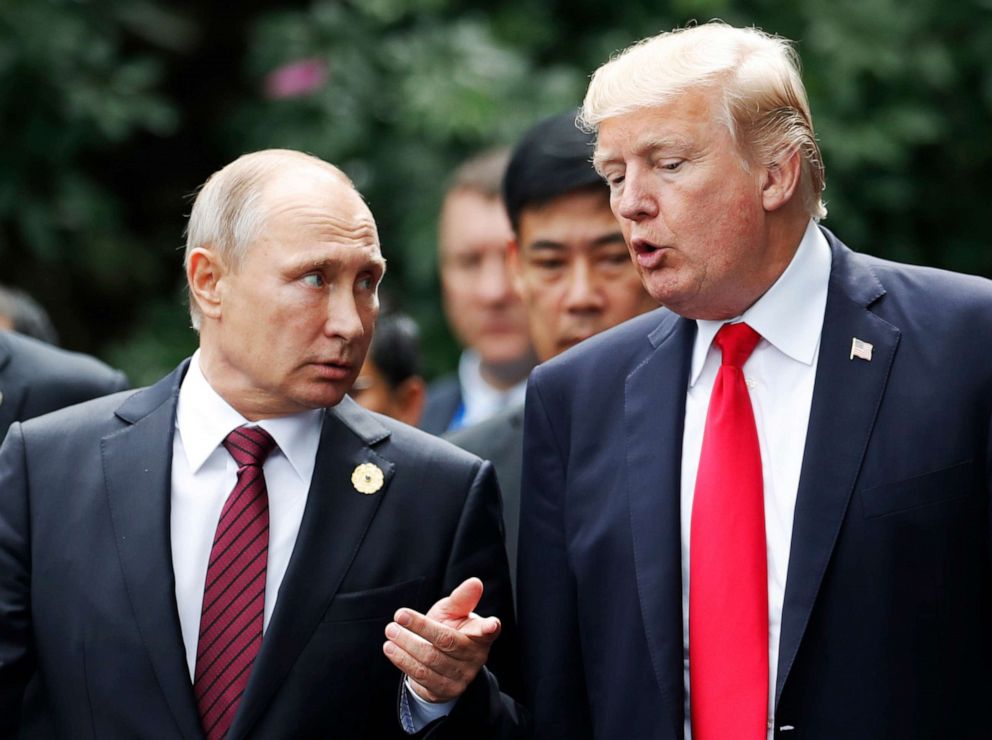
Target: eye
{"x":366,"y":282}
{"x":314,"y":280}
{"x":671,"y":165}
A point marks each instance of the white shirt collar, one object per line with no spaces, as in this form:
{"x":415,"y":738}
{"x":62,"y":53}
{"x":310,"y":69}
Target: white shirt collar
{"x":479,"y":398}
{"x":789,"y":316}
{"x":204,"y":419}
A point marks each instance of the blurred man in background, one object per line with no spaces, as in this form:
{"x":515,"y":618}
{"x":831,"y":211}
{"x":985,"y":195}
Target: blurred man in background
{"x":390,"y":382}
{"x":36,"y":377}
{"x":21,"y":313}
{"x":570,"y":265}
{"x":481,"y":306}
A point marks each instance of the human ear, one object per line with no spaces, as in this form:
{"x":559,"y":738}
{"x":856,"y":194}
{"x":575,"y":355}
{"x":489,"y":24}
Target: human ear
{"x":204,"y":271}
{"x":781,"y":179}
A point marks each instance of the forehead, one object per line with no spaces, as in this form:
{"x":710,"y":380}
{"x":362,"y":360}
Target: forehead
{"x":576,"y":216}
{"x":471,"y":220}
{"x":318,"y":210}
{"x":691,"y":119}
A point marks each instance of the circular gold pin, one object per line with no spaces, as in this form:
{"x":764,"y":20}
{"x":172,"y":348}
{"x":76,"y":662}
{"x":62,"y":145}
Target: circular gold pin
{"x":367,"y":478}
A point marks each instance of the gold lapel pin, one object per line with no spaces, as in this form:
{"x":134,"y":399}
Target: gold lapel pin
{"x":367,"y":478}
{"x":861,"y":349}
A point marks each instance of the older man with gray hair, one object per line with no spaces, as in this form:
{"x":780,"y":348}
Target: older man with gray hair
{"x":241,"y":550}
{"x":762,"y":510}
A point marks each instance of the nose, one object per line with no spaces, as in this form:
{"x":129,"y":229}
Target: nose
{"x":345,"y":317}
{"x":582,"y":294}
{"x":634,"y":201}
{"x":494,"y":285}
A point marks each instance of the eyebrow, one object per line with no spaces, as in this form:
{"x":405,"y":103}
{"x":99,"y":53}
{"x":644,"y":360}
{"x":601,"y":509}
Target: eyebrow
{"x":647,"y":145}
{"x":549,"y":245}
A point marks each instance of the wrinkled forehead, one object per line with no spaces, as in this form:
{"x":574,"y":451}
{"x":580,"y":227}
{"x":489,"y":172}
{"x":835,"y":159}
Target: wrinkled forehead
{"x":319,"y":200}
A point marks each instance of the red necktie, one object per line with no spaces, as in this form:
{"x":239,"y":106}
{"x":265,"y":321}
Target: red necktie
{"x":234,"y":594}
{"x":728,"y":568}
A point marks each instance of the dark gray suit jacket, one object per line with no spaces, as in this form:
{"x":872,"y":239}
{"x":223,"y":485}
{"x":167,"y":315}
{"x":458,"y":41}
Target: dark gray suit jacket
{"x":36,"y":378}
{"x":87,"y":592}
{"x":444,"y":398}
{"x":500,"y":439}
{"x":885,"y":630}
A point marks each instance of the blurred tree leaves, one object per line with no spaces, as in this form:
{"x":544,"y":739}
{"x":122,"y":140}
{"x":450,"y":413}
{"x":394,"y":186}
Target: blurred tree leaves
{"x":112,"y":110}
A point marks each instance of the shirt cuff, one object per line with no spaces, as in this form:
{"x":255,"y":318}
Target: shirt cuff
{"x":417,"y":713}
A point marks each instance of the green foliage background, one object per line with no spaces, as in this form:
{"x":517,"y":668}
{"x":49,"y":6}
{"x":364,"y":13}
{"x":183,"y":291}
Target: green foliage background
{"x":113,"y":111}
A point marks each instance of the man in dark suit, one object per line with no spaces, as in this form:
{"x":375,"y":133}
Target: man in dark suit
{"x":149,"y":540}
{"x":570,"y":266}
{"x":484,"y":312}
{"x":762,"y":511}
{"x":36,"y":378}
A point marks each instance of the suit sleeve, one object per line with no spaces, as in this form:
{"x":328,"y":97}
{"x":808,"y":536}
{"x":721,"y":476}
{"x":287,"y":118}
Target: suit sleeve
{"x":486,"y":709}
{"x":16,"y":649}
{"x":554,"y":678}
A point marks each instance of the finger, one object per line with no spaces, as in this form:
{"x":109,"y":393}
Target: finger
{"x":446,"y":639}
{"x":460,"y":603}
{"x":455,"y":666}
{"x":478,"y":628}
{"x":428,"y":684}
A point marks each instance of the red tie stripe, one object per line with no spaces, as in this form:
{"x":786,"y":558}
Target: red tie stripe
{"x":728,"y":581}
{"x":234,"y":594}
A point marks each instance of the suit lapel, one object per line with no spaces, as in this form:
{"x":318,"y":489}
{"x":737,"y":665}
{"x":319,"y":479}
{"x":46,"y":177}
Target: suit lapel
{"x":138,"y":467}
{"x":334,"y":524}
{"x":846,"y":395}
{"x":655,"y":393}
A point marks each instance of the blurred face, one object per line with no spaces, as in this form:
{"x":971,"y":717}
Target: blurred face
{"x":693,"y":218}
{"x":483,"y":310}
{"x":373,"y":391}
{"x":573,"y":271}
{"x":290,"y":328}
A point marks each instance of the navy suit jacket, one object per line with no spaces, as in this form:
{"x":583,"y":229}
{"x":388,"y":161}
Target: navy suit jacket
{"x":87,"y":591}
{"x":444,"y":397}
{"x":887,"y":620}
{"x":36,"y":378}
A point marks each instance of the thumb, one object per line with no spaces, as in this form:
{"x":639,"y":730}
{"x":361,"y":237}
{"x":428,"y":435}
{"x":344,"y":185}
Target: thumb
{"x":461,"y":602}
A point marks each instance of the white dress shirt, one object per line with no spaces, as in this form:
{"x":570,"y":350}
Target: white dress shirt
{"x":479,"y":399}
{"x":779,"y":376}
{"x":204,"y":474}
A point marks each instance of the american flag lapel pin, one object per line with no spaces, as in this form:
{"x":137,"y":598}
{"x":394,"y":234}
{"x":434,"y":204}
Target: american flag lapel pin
{"x":861,"y":349}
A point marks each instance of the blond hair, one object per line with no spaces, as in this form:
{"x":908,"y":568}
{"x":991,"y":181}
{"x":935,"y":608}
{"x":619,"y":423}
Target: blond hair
{"x":764,"y":103}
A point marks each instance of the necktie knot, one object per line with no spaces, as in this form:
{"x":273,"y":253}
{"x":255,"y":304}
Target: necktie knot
{"x":249,"y":445}
{"x":736,"y":342}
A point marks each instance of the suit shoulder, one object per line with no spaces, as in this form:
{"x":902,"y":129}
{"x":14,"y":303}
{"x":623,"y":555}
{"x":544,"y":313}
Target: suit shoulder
{"x":489,"y":435}
{"x":620,"y":347}
{"x":443,"y":397}
{"x":56,"y":367}
{"x":97,"y":415}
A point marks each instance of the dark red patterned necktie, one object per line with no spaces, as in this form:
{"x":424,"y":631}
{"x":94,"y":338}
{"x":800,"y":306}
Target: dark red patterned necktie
{"x":728,"y":571}
{"x":234,"y":594}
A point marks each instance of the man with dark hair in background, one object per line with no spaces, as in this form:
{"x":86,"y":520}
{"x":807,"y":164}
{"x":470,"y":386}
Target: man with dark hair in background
{"x":571,"y":268}
{"x":390,"y":382}
{"x":482,"y":309}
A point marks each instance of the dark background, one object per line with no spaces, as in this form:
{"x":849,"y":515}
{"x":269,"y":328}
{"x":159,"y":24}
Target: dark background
{"x":112,"y":113}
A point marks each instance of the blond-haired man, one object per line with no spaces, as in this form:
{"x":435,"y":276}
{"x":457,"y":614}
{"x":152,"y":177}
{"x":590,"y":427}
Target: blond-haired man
{"x":763,"y":510}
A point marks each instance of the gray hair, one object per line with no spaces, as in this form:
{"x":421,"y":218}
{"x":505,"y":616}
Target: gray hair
{"x":229,"y":212}
{"x":757,"y":74}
